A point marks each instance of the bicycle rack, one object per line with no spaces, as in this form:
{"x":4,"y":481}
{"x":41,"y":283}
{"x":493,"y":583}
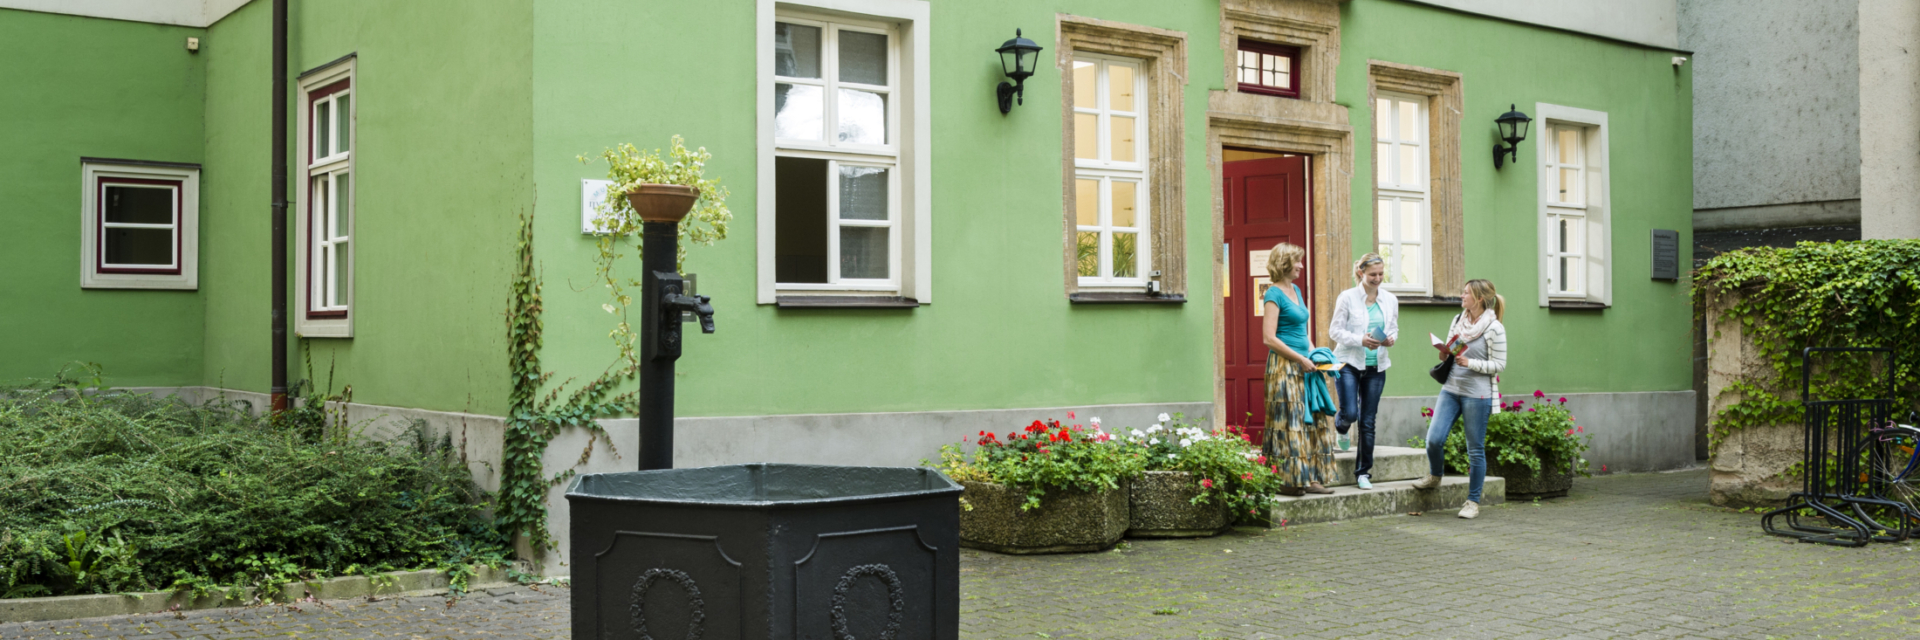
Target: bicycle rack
{"x":1830,"y":468}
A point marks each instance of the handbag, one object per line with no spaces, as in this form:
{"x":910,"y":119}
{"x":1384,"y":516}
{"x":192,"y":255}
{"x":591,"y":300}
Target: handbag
{"x":1440,"y":372}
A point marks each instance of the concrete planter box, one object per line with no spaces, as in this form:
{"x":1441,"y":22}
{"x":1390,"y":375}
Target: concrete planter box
{"x":1162,"y":507}
{"x":1554,"y":480}
{"x":1066,"y":522}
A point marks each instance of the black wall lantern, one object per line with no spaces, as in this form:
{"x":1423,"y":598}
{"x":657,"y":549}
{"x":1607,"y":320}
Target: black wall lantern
{"x":1513,"y":129}
{"x":1017,"y":58}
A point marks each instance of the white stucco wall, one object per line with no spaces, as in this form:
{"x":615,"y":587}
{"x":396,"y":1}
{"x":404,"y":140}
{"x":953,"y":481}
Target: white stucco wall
{"x":1776,"y":112}
{"x":189,"y":13}
{"x":1889,"y":118}
{"x":1649,"y":22}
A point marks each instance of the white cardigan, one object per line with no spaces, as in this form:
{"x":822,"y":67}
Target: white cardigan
{"x":1350,"y":325}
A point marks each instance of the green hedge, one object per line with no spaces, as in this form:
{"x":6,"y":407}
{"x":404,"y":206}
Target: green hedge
{"x":111,"y":492}
{"x":1819,"y":294}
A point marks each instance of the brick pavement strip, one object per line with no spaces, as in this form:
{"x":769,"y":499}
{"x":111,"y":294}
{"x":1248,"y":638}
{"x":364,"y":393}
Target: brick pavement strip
{"x":1631,"y":556}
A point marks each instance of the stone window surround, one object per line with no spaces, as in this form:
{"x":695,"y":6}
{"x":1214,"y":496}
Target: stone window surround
{"x":1163,"y":56}
{"x":1445,"y":99}
{"x":1318,"y":44}
{"x":307,"y":325}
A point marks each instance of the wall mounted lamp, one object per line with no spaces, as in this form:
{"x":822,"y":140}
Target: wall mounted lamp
{"x":1513,"y":129}
{"x":1017,"y":59}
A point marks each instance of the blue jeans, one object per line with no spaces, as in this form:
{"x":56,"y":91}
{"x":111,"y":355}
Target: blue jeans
{"x":1359,"y":402}
{"x":1476,"y":410}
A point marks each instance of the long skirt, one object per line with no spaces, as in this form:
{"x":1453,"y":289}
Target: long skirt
{"x":1303,"y":451}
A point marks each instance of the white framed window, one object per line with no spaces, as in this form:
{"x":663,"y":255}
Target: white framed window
{"x":1112,"y":242}
{"x":1574,"y":208}
{"x":844,"y":172}
{"x":324,"y":203}
{"x":1402,"y":209}
{"x":139,"y":224}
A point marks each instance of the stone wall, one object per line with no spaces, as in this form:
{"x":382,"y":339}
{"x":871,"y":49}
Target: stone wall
{"x":1747,"y":464}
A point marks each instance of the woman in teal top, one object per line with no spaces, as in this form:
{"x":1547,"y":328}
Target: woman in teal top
{"x":1299,"y":441}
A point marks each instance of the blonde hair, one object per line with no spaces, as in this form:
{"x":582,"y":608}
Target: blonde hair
{"x":1281,"y":259}
{"x":1366,"y":262}
{"x":1482,"y":290}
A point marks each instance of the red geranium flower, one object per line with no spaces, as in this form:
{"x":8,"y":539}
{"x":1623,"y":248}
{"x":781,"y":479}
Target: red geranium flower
{"x":1539,"y":394}
{"x":1206,"y":482}
{"x":1563,"y":399}
{"x":1069,"y":415}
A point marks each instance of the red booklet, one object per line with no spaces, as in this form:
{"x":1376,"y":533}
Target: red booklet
{"x":1452,"y":347}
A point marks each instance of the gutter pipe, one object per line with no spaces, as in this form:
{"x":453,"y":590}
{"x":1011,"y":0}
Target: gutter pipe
{"x":279,"y":389}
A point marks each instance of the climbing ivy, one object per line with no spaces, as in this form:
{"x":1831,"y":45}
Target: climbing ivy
{"x":533,"y":417}
{"x":1817,"y":294}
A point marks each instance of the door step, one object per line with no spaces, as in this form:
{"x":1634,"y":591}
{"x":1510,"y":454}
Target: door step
{"x":1389,"y":464}
{"x":1387,"y":498}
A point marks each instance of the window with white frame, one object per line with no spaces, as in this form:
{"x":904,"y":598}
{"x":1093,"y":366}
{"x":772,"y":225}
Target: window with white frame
{"x":1402,"y":209}
{"x":837,"y":155}
{"x":1110,"y":171}
{"x":140,"y":224}
{"x":1574,"y":211}
{"x":325,"y":202}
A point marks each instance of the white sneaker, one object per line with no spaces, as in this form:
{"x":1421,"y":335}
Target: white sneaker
{"x":1470,"y":509}
{"x":1364,"y":482}
{"x":1429,"y":482}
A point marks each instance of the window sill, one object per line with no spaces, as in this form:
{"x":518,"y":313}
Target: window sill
{"x":1118,"y":297}
{"x":1572,"y":305}
{"x":1427,"y":301}
{"x":844,"y":302}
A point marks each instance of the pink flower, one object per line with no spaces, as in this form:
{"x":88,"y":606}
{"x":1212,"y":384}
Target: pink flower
{"x":1563,"y":399}
{"x":1569,"y":432}
{"x":1539,"y":394}
{"x":1580,"y":429}
{"x":1206,"y":482}
{"x":1603,"y":468}
{"x":1069,"y":415}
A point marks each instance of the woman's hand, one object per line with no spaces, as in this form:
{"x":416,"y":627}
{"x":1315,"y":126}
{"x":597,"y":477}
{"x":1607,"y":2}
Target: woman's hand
{"x":1460,"y":359}
{"x":1369,"y":342}
{"x":1390,"y":341}
{"x":1305,"y":362}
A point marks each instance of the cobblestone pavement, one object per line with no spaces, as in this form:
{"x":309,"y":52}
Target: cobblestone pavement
{"x":1632,"y":556}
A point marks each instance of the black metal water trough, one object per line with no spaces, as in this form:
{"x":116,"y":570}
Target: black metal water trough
{"x":766,"y":551}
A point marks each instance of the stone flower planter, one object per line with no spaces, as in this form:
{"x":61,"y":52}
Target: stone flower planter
{"x":1554,"y":480}
{"x":1162,"y":507}
{"x":1066,"y":522}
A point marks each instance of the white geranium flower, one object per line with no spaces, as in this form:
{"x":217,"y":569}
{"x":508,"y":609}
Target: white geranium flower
{"x":1186,"y":442}
{"x":1165,"y":417}
{"x":1172,"y":457}
{"x":1095,"y":421}
{"x":1153,"y":428}
{"x":1139,"y":434}
{"x":1153,"y":441}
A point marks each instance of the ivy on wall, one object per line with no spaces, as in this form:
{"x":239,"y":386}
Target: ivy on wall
{"x":534,"y":418}
{"x":1818,"y":294}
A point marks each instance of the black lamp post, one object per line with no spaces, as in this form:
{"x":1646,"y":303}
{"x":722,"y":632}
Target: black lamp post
{"x":1513,"y":129}
{"x":1017,"y":58}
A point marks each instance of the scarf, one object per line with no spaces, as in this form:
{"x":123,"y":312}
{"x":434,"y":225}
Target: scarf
{"x":1470,"y":331}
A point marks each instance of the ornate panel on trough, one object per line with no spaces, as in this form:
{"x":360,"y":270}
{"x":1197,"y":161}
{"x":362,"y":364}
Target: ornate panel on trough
{"x":855,"y":584}
{"x":662,"y":586}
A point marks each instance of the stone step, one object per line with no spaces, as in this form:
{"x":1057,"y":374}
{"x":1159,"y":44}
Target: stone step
{"x":1389,"y":464}
{"x":1386,"y":498}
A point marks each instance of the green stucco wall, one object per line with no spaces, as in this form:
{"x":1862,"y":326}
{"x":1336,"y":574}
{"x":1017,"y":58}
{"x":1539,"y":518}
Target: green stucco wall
{"x":1643,"y":342}
{"x":96,"y":88}
{"x":442,"y":166}
{"x":1000,"y":332}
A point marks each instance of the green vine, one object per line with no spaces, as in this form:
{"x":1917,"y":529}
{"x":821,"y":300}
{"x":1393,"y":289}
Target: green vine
{"x":533,"y":418}
{"x":1818,"y":294}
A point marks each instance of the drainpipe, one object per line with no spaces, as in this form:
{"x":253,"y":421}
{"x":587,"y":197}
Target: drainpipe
{"x":279,"y":389}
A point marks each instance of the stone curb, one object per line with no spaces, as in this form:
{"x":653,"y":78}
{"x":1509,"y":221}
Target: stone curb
{"x":1386,"y":498}
{"x":405,"y":583}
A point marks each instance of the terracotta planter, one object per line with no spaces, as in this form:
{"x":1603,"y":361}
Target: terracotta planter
{"x":1066,"y":522}
{"x":662,"y":202}
{"x":1554,"y":480}
{"x":1162,"y":507}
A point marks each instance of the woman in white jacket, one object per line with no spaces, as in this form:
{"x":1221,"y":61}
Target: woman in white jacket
{"x":1366,"y":320}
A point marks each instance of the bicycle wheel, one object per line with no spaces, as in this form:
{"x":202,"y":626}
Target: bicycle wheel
{"x":1892,"y":473}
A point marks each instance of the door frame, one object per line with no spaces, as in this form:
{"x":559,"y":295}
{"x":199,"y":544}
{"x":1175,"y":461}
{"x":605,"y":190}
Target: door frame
{"x":1329,"y":146}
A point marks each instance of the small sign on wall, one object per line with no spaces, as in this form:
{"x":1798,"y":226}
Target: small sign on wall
{"x":1666,"y":254}
{"x":593,"y":196}
{"x":1257,"y":267}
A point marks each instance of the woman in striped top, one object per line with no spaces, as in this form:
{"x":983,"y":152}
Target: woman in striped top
{"x":1469,"y":392}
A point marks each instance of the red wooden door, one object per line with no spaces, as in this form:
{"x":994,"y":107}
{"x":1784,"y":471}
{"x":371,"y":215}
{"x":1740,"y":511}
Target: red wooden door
{"x":1266,"y":205}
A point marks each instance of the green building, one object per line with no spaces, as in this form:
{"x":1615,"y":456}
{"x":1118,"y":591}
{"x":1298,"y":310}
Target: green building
{"x":907,"y":264}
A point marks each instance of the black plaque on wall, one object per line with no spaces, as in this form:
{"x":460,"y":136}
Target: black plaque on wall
{"x":1666,"y":254}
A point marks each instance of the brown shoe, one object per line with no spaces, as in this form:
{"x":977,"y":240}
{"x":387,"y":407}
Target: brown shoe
{"x":1316,"y":488}
{"x":1292,"y":491}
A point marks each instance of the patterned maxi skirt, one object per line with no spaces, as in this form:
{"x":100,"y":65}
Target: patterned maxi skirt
{"x":1303,"y":451}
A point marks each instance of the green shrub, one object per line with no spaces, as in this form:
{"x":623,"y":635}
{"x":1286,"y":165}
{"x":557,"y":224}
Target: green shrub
{"x":106,"y":492}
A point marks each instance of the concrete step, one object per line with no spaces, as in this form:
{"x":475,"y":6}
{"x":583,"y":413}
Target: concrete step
{"x":1386,"y":498}
{"x":1389,"y":464}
